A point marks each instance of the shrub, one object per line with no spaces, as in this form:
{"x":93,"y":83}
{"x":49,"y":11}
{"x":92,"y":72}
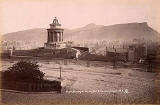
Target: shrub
{"x":24,"y":71}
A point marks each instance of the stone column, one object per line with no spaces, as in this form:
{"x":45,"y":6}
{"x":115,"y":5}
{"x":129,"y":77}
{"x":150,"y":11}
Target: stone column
{"x":48,"y":37}
{"x":52,"y":36}
{"x":57,"y":36}
{"x":62,"y":36}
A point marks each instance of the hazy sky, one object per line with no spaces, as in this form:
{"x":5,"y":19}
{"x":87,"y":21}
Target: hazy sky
{"x":19,"y":15}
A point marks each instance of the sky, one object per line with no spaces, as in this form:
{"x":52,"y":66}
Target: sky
{"x":17,"y":15}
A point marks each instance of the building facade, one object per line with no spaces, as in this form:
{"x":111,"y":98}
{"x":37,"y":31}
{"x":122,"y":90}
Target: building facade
{"x":55,"y":36}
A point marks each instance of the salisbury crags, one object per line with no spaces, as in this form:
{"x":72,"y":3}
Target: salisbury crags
{"x":91,"y":31}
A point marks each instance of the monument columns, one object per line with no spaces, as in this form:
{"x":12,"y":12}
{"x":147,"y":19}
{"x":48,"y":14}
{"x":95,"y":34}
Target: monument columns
{"x":55,"y":36}
{"x":48,"y":37}
{"x":51,"y":36}
{"x":62,"y":36}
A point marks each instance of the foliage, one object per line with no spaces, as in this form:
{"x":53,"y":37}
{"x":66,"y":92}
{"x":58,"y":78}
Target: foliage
{"x":24,"y":71}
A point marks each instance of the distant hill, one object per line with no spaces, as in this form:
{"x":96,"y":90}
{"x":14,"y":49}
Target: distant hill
{"x":91,"y":31}
{"x":115,"y":32}
{"x":39,"y":34}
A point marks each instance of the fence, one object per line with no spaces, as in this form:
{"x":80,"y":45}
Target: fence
{"x":45,"y":86}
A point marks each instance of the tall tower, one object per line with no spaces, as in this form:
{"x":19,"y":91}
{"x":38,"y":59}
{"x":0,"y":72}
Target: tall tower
{"x":55,"y":36}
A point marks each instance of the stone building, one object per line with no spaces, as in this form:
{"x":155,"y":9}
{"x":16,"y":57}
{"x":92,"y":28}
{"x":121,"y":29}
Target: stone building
{"x":55,"y":36}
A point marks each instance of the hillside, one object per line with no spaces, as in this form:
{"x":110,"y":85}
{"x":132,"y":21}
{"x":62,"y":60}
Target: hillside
{"x":39,"y":34}
{"x":115,"y":32}
{"x":91,"y":31}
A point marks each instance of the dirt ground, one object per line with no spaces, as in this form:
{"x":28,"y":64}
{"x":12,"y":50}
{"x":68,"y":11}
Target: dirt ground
{"x":89,"y":82}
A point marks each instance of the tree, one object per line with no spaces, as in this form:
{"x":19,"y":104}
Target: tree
{"x":24,"y":71}
{"x":150,"y":59}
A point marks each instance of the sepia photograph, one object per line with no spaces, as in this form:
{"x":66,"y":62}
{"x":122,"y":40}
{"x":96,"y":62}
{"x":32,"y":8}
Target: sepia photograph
{"x":79,"y":52}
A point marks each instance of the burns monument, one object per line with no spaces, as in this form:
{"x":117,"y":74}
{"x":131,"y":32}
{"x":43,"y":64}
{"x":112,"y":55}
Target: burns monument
{"x":55,"y":36}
